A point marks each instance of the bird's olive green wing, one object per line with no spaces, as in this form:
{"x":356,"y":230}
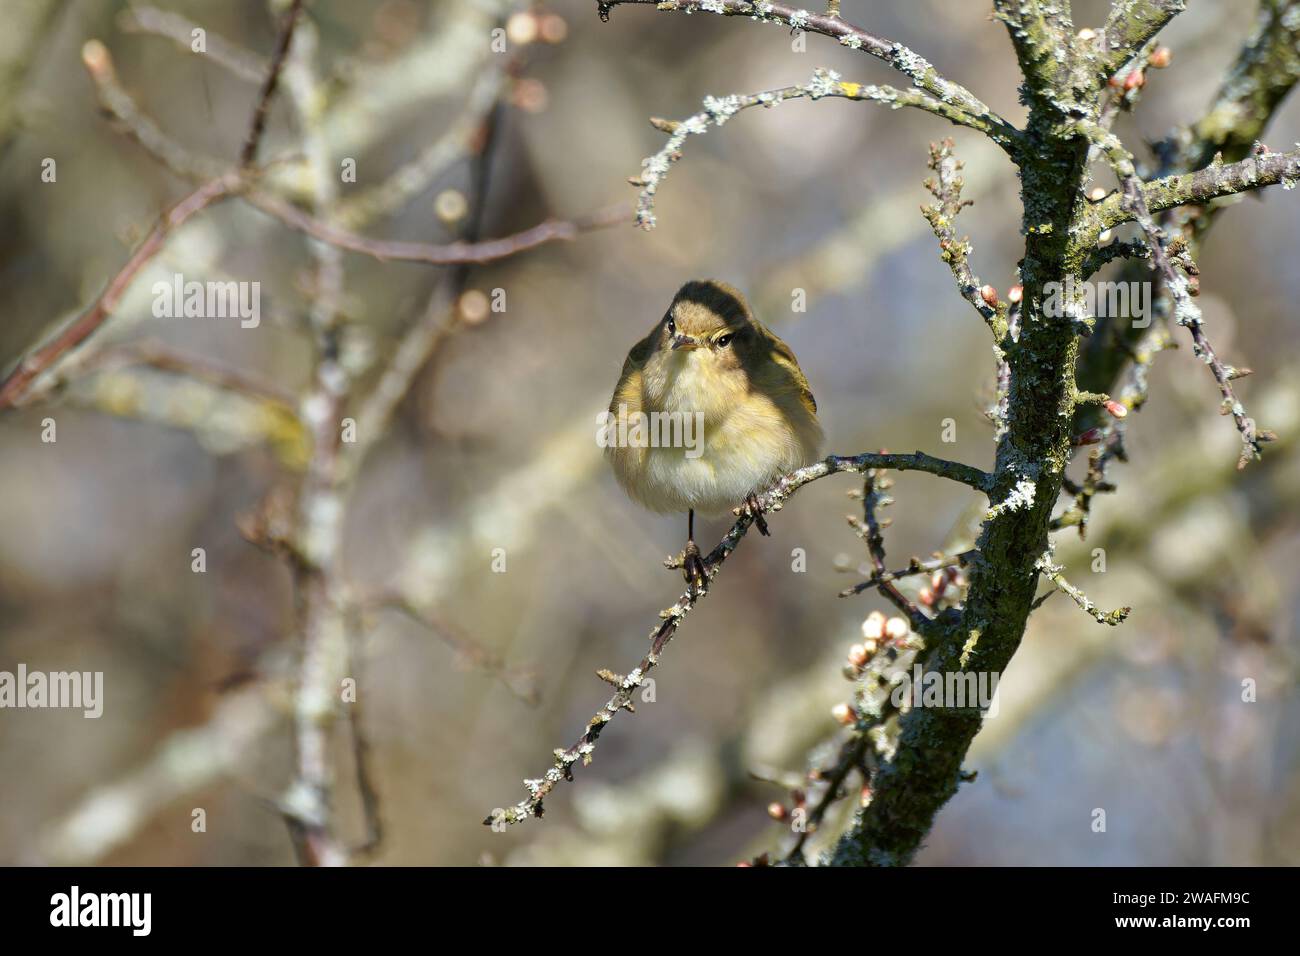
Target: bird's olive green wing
{"x":641,"y":352}
{"x":787,"y":366}
{"x":628,"y":390}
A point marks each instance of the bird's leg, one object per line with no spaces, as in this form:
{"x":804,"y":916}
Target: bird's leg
{"x":694,"y":568}
{"x":756,"y":512}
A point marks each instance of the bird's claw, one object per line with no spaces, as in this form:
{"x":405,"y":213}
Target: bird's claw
{"x":755,"y":511}
{"x":694,"y":568}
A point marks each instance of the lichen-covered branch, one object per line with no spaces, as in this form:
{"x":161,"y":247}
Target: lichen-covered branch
{"x":1130,"y":26}
{"x":582,"y":750}
{"x":1098,"y":258}
{"x":912,"y":65}
{"x":1186,"y":312}
{"x":1215,"y":181}
{"x":1074,"y":84}
{"x":717,"y":110}
{"x":1055,"y":574}
{"x":1264,"y":72}
{"x":1040,"y":33}
{"x":946,"y":187}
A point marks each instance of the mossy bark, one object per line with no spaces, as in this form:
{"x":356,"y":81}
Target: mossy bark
{"x":926,"y":770}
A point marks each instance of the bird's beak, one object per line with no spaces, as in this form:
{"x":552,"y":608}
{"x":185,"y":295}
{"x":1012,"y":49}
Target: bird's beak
{"x":681,"y":341}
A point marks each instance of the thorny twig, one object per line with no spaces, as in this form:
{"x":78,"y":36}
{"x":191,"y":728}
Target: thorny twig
{"x":672,"y":617}
{"x":946,"y":188}
{"x":874,"y":486}
{"x":1186,"y":312}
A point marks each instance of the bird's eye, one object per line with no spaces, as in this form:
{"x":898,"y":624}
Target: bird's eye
{"x":725,"y":340}
{"x":672,"y":326}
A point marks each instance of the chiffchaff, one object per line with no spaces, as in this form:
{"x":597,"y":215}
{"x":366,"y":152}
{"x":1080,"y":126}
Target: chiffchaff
{"x":709,"y":363}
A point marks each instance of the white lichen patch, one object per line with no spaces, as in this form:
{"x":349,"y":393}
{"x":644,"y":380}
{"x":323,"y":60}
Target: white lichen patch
{"x":1186,"y":311}
{"x":823,"y":83}
{"x":1021,"y":497}
{"x":910,"y":63}
{"x":722,"y":108}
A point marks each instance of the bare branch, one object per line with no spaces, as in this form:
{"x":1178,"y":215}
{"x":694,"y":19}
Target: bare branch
{"x":1213,"y":182}
{"x":824,"y":83}
{"x":173,"y":26}
{"x":671,"y":618}
{"x":874,"y":498}
{"x":520,"y":681}
{"x":453,"y":253}
{"x":258,"y":123}
{"x":946,"y":188}
{"x":914,"y":567}
{"x":187,"y":164}
{"x":11,"y":390}
{"x":1186,"y":311}
{"x":1095,"y":260}
{"x":158,"y":355}
{"x":1054,"y":574}
{"x":915,"y":67}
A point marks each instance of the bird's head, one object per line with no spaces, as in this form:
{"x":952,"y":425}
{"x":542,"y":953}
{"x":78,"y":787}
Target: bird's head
{"x":708,"y":324}
{"x":704,"y":350}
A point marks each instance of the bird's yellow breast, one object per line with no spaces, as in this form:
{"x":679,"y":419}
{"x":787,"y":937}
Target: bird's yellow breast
{"x":751,"y":434}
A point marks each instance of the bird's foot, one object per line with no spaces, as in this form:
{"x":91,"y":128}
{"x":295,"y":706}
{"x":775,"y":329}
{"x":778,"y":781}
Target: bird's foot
{"x":755,"y":511}
{"x":695,"y":568}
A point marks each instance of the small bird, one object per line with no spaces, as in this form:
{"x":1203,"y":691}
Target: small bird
{"x":709,"y":365}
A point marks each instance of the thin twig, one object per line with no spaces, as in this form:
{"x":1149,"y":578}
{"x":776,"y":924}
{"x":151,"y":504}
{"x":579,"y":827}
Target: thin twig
{"x":671,"y":618}
{"x":258,"y":123}
{"x":916,"y":68}
{"x":179,"y":29}
{"x":946,"y":188}
{"x":1186,"y":312}
{"x":11,"y":391}
{"x":1053,"y":573}
{"x":824,"y":83}
{"x":914,"y":567}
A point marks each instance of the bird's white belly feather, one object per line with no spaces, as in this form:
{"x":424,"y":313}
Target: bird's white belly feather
{"x":746,"y":446}
{"x":728,"y":469}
